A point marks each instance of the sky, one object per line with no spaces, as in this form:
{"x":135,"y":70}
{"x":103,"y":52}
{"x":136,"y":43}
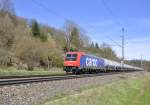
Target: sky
{"x":103,"y":20}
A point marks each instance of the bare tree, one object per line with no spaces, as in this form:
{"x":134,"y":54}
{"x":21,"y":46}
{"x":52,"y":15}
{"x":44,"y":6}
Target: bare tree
{"x":6,"y":6}
{"x":75,"y":36}
{"x":85,"y":40}
{"x":68,"y":28}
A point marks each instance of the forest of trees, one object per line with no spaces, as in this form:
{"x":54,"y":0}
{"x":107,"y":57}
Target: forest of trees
{"x":25,"y":43}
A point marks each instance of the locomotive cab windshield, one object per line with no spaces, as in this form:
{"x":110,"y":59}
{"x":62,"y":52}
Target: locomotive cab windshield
{"x":71,"y":57}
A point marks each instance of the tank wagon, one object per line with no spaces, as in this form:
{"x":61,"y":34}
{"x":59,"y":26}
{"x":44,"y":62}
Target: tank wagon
{"x":80,"y":62}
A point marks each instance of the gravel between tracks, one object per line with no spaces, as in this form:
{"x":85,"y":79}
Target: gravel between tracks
{"x":36,"y":93}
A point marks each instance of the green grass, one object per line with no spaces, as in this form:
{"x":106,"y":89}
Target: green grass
{"x":14,"y":72}
{"x":123,"y":92}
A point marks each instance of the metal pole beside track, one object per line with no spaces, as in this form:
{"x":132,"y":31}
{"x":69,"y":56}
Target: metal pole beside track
{"x":122,"y":62}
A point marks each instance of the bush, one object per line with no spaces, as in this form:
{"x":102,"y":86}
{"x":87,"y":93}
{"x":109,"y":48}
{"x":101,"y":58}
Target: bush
{"x":44,"y":57}
{"x":5,"y":58}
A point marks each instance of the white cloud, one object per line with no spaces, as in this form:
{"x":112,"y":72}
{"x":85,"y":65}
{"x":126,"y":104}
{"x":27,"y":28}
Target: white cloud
{"x":135,"y":48}
{"x":137,"y":36}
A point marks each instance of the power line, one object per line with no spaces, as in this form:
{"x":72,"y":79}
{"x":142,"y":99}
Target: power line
{"x":119,"y":24}
{"x":110,"y":12}
{"x":48,"y":10}
{"x":116,"y":43}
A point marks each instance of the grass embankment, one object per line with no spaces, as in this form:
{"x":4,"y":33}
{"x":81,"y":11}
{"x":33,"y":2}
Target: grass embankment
{"x":6,"y":72}
{"x":123,"y":92}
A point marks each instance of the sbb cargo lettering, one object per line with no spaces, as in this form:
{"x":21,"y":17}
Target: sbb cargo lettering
{"x":91,"y":62}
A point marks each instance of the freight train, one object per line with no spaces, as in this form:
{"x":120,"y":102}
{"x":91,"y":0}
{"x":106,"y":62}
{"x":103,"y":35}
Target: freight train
{"x":80,"y":62}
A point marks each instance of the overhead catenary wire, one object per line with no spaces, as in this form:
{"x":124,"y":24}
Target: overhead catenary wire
{"x":60,"y":16}
{"x":116,"y":43}
{"x":111,"y":13}
{"x":49,"y":10}
{"x":114,"y":16}
{"x":120,"y":25}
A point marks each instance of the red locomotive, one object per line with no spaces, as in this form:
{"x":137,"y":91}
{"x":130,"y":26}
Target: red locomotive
{"x":80,"y":62}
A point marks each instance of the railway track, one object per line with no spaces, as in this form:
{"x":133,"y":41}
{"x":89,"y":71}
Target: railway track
{"x":15,"y":81}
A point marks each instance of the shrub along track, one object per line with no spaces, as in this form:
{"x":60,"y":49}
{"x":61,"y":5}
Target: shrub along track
{"x":30,"y":79}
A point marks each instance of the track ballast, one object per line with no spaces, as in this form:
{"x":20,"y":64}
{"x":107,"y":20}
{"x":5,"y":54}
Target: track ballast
{"x":15,"y":81}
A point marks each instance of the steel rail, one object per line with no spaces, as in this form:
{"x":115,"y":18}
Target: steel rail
{"x":15,"y":81}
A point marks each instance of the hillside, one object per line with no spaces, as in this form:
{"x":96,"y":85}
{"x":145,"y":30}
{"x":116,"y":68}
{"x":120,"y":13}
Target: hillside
{"x":26,"y":43}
